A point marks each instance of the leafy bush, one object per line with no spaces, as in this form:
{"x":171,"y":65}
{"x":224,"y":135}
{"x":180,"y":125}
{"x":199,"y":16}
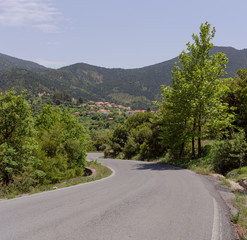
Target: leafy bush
{"x":120,"y":135}
{"x":145,"y":151}
{"x":62,"y":145}
{"x":17,"y":144}
{"x":227,"y":155}
{"x":45,"y":150}
{"x":100,"y":142}
{"x":131,"y":148}
{"x":138,"y":137}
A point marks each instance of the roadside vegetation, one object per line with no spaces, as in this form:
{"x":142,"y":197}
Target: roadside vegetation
{"x":100,"y":172}
{"x":200,"y":124}
{"x":201,"y":121}
{"x":41,"y":147}
{"x":36,"y":150}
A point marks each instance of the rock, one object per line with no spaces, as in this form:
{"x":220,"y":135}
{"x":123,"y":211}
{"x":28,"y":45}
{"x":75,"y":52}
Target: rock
{"x":235,"y":186}
{"x":243,"y":183}
{"x":88,"y":171}
{"x":218,"y":176}
{"x":233,"y":174}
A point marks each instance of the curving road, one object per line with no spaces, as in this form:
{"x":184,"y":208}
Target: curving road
{"x":140,"y":201}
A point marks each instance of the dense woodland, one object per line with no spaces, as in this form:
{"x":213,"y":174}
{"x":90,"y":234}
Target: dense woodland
{"x":201,"y":117}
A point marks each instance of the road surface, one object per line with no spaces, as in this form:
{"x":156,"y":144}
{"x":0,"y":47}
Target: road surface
{"x":140,"y":201}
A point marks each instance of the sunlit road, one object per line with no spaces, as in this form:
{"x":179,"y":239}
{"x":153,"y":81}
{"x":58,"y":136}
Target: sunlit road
{"x":141,"y":201}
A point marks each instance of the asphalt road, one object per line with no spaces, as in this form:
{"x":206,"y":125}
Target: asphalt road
{"x":140,"y":201}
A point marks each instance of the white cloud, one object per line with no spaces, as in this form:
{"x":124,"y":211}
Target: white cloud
{"x":38,"y":14}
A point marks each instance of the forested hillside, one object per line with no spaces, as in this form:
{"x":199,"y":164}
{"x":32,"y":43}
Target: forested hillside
{"x":7,"y":63}
{"x":134,"y":87}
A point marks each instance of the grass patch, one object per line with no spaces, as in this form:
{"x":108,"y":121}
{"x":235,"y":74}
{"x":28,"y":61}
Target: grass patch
{"x":101,"y":172}
{"x":237,"y":174}
{"x":235,"y":218}
{"x":201,"y":166}
{"x":240,"y":202}
{"x":11,"y":196}
{"x":224,"y":182}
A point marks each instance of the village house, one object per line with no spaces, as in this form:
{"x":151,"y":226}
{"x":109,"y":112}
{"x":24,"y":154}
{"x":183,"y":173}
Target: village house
{"x":103,"y":111}
{"x":130,"y":113}
{"x":99,"y":103}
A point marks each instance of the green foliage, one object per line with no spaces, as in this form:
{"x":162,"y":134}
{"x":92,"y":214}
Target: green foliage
{"x":237,"y":174}
{"x":145,"y":151}
{"x":130,"y":148}
{"x":193,"y":108}
{"x":240,"y":202}
{"x":60,"y":97}
{"x":16,"y":136}
{"x":138,"y":119}
{"x":100,"y":141}
{"x":120,"y":135}
{"x":138,"y":136}
{"x":136,"y":102}
{"x":45,"y":150}
{"x":237,"y":98}
{"x":227,"y":155}
{"x":62,"y":144}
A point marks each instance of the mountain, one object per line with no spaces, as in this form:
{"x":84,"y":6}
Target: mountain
{"x":237,"y":59}
{"x":134,"y":87}
{"x":7,"y":63}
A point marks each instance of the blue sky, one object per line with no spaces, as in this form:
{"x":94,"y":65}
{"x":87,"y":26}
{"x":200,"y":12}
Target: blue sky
{"x":114,"y":33}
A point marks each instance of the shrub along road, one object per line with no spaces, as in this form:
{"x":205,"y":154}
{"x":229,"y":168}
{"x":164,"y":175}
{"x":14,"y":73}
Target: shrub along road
{"x":141,"y":201}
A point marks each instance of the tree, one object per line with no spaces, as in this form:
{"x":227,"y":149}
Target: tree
{"x":17,"y":144}
{"x":237,"y":98}
{"x":62,"y":144}
{"x":137,"y":136}
{"x":193,"y":106}
{"x":81,"y":100}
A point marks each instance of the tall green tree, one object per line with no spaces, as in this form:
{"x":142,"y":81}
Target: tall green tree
{"x":193,"y":105}
{"x":17,"y":143}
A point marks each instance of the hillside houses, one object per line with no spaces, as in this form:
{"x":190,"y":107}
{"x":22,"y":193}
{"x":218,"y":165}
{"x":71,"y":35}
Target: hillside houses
{"x":105,"y":108}
{"x":130,"y":113}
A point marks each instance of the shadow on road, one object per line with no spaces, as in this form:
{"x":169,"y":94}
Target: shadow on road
{"x":155,"y":167}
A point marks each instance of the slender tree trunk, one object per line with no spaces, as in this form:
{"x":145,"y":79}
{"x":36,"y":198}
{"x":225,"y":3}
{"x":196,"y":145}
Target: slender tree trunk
{"x":193,"y":148}
{"x":181,"y":153}
{"x":181,"y":150}
{"x":193,"y":140}
{"x":199,"y":138}
{"x":6,"y":179}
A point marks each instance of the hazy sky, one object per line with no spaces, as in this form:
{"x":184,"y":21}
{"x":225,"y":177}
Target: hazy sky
{"x":114,"y":33}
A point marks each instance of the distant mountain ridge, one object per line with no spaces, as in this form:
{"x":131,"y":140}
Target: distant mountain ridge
{"x":134,"y":87}
{"x":7,"y":63}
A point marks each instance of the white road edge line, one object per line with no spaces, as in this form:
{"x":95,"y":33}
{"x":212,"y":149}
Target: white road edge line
{"x":216,"y":231}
